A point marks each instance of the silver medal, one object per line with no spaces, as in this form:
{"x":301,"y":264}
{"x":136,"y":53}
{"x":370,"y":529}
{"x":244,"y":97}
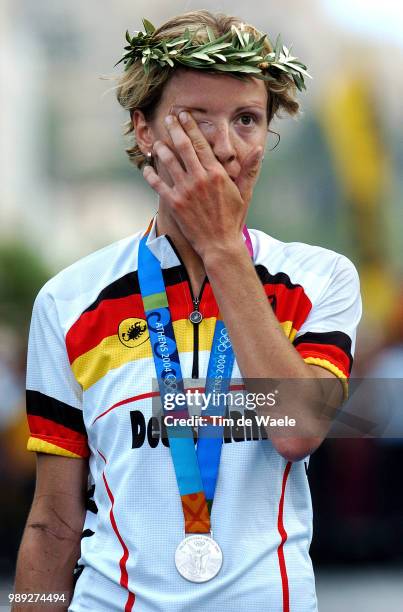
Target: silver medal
{"x":198,"y":558}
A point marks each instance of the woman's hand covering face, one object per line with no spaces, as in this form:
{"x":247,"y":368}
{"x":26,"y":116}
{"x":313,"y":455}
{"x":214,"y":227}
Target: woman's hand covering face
{"x":208,"y":205}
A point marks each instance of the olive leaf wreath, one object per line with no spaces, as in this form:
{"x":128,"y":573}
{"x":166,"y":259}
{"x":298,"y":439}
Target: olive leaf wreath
{"x":237,"y":51}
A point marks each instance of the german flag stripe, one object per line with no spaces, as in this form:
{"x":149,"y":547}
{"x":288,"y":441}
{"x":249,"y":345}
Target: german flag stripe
{"x":289,"y":330}
{"x":100,"y":322}
{"x":324,"y":363}
{"x":93,"y":343}
{"x":122,"y":287}
{"x":111,"y":353}
{"x":39,"y":404}
{"x":57,"y":434}
{"x":42,"y":446}
{"x":129,"y":285}
{"x":47,"y":428}
{"x":280,"y":278}
{"x":289,"y":301}
{"x":95,"y":325}
{"x":319,"y":340}
{"x":328,"y":352}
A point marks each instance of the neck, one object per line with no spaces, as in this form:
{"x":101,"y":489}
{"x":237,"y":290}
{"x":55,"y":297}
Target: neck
{"x":192,"y":261}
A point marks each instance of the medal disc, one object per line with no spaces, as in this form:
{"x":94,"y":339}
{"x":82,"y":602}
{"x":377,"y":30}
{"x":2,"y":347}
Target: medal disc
{"x":195,"y":316}
{"x":198,"y":558}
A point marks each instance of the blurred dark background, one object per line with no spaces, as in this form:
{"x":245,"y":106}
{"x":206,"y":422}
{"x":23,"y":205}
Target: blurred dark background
{"x":335,"y":180}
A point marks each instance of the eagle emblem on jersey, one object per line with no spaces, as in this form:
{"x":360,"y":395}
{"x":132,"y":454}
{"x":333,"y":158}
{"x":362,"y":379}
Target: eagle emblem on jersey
{"x":133,"y":332}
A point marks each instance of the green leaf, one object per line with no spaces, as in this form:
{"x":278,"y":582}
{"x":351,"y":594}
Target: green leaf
{"x":298,"y":69}
{"x":255,"y":58}
{"x":221,"y":57}
{"x":148,"y":26}
{"x":170,"y":62}
{"x":277,"y":48}
{"x":241,"y":54}
{"x":129,"y":40}
{"x":210,"y":34}
{"x":202,"y":56}
{"x":261,"y":40}
{"x":178,"y":42}
{"x":215,"y":47}
{"x":238,"y":33}
{"x":280,"y":67}
{"x":298,"y":81}
{"x":236,"y":68}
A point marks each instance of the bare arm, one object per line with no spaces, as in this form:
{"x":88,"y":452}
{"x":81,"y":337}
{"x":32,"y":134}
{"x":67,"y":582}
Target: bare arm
{"x":50,"y":545}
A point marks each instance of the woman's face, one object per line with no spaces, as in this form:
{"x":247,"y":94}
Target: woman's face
{"x":230,"y":113}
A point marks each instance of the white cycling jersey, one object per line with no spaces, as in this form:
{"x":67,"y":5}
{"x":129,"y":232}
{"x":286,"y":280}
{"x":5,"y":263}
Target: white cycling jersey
{"x":90,"y":394}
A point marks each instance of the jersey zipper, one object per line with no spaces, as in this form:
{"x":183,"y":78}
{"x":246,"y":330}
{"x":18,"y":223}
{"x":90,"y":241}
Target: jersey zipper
{"x":196,"y":305}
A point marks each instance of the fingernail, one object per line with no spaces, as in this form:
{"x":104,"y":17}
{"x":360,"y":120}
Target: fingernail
{"x":184,"y":116}
{"x":169,"y":119}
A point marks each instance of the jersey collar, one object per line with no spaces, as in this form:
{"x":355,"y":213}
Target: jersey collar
{"x":162,"y":247}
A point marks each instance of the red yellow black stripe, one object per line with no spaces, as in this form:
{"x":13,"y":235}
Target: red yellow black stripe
{"x":334,"y":346}
{"x":55,"y":423}
{"x":93,"y":343}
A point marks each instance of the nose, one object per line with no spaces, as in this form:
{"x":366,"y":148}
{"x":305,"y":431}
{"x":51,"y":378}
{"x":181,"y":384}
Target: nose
{"x":222,"y":143}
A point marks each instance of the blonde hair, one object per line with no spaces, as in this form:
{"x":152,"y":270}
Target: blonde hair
{"x":138,"y":91}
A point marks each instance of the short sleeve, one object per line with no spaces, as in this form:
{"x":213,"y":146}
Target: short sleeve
{"x":53,"y":396}
{"x":327,"y":337}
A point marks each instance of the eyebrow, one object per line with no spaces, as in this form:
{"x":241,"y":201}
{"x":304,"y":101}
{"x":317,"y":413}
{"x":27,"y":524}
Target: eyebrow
{"x":203,"y":110}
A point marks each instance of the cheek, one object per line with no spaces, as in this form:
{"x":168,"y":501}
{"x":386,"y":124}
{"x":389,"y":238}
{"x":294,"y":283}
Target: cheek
{"x":247,"y":143}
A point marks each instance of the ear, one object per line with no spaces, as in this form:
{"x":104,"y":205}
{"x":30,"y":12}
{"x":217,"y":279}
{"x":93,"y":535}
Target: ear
{"x":143,"y":131}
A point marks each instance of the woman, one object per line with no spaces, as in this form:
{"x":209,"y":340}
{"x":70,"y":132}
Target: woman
{"x":170,"y":524}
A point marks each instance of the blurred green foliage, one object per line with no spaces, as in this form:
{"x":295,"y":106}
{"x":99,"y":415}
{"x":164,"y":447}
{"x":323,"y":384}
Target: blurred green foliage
{"x":22,"y":274}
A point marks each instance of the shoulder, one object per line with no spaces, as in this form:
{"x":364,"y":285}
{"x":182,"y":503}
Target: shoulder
{"x":77,"y":286}
{"x":313,"y":267}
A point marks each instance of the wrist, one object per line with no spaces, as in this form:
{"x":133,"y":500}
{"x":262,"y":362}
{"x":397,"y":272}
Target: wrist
{"x":220,"y":255}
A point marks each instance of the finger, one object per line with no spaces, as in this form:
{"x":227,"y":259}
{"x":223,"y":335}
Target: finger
{"x":183,"y":145}
{"x":203,"y":150}
{"x":170,"y":161}
{"x":156,"y":182}
{"x":251,"y":164}
{"x":249,"y":173}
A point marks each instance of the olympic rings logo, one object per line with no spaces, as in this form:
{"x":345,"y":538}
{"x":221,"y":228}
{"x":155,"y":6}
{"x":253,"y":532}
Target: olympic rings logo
{"x":170,"y":381}
{"x":224,"y":343}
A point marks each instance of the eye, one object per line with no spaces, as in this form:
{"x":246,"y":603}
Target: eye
{"x":247,"y":116}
